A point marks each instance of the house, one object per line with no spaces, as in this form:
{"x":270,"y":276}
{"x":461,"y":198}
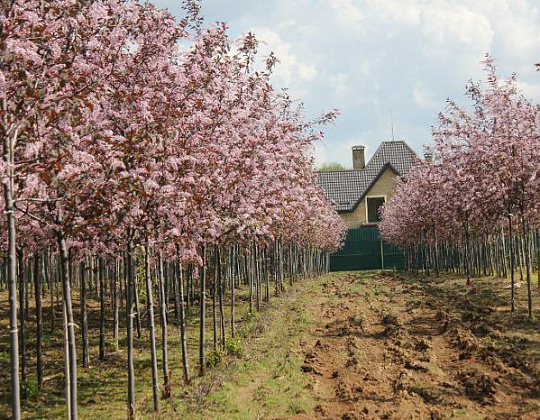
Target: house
{"x":358,"y":193}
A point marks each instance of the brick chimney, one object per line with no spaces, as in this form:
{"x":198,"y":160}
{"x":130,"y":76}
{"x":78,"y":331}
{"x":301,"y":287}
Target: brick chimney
{"x":358,"y":158}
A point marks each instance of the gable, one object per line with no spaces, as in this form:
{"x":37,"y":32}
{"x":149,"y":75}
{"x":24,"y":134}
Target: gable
{"x":345,"y":189}
{"x":382,"y":184}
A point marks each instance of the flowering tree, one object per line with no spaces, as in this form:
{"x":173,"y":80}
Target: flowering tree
{"x":483,"y":181}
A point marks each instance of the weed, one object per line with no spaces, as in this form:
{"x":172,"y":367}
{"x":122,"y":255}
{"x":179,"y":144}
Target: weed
{"x":214,"y":358}
{"x":5,"y":356}
{"x":29,"y":388}
{"x":295,"y":408}
{"x":233,"y":347}
{"x":390,"y":319}
{"x":357,"y":321}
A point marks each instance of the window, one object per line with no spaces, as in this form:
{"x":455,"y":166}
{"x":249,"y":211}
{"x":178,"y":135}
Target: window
{"x":373,"y":206}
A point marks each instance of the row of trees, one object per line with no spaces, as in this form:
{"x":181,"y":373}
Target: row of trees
{"x":128,"y":135}
{"x":476,"y":206}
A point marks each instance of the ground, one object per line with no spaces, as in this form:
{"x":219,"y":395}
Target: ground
{"x":412,"y":348}
{"x":344,"y":346}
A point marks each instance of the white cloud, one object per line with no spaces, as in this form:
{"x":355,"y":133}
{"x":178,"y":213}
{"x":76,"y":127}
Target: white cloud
{"x":398,"y":11}
{"x":530,"y":91}
{"x":348,"y":11}
{"x":448,"y":27}
{"x":289,"y":68}
{"x":422,"y":96}
{"x":366,"y":57}
{"x":320,"y":155}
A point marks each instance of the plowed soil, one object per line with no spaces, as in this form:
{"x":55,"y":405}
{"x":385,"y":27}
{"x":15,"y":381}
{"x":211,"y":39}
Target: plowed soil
{"x":387,"y":347}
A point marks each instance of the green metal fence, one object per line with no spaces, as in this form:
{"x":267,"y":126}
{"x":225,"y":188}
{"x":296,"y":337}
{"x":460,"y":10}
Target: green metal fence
{"x":365,"y":250}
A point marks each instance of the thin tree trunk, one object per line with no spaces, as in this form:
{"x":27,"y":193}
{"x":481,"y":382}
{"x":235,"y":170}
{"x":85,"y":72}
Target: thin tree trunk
{"x":49,"y":278}
{"x":166,"y":381}
{"x":115,"y":302}
{"x":151,"y":325}
{"x":137,"y":306}
{"x":257,"y":274}
{"x":202,"y":314}
{"x":101,"y":273}
{"x":183,"y":338}
{"x":467,"y":254}
{"x":176,"y":294}
{"x":538,"y":256}
{"x":235,"y":273}
{"x":512,"y":261}
{"x":66,"y":365}
{"x":249,"y":269}
{"x":527,"y":252}
{"x":214,"y":298}
{"x":220,"y":291}
{"x":84,"y":318}
{"x":130,"y":283}
{"x":38,"y":285}
{"x":22,"y":323}
{"x":66,"y":288}
{"x":267,"y":276}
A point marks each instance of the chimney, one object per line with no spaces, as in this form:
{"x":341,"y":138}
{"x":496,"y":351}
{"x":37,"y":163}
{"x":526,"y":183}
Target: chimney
{"x":358,"y":159}
{"x":428,"y":157}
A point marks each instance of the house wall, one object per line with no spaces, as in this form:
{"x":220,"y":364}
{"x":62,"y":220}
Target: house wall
{"x":385,"y":185}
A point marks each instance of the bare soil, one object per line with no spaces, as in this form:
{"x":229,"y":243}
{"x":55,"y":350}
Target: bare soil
{"x":416,"y":348}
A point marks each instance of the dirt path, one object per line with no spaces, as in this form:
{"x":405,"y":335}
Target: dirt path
{"x":384,"y":348}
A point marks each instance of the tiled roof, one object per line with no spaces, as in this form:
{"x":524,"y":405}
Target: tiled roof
{"x":346,"y":188}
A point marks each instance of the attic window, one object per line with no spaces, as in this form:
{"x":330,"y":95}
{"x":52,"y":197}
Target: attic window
{"x":373,"y":206}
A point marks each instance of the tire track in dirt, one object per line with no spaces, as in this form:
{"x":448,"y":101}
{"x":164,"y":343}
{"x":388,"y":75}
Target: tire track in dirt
{"x":386,"y":350}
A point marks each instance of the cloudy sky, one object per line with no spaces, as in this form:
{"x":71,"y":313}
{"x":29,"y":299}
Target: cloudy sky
{"x":371,"y":58}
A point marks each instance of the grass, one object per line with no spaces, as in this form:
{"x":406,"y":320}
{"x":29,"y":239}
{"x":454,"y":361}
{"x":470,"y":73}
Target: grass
{"x":268,"y":379}
{"x":258,"y":373}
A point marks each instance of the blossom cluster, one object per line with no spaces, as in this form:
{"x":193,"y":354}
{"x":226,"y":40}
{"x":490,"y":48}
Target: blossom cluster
{"x":483,"y":180}
{"x":128,"y":125}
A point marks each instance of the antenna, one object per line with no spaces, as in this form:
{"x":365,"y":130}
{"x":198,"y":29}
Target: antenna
{"x":392,"y":122}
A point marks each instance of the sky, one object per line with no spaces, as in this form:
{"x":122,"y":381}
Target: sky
{"x":383,"y":61}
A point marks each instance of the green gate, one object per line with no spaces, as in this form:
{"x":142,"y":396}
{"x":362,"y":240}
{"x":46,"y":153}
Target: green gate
{"x":363,"y":250}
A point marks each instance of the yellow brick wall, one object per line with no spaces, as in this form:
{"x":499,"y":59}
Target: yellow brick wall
{"x":384,"y":186}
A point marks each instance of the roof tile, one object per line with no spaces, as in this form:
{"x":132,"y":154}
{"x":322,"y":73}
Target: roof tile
{"x":344,"y":188}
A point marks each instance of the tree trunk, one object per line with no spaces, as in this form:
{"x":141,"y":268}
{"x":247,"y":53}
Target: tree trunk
{"x":66,"y":288}
{"x":22,"y":323}
{"x":101,"y":274}
{"x":467,"y":254}
{"x":235,"y":273}
{"x":38,"y":285}
{"x":151,"y":325}
{"x":202,"y":314}
{"x":512,"y":261}
{"x":66,"y":365}
{"x":538,"y":256}
{"x":166,"y":381}
{"x":116,"y":277}
{"x":220,"y":291}
{"x":257,"y":274}
{"x":130,"y":283}
{"x":250,"y":270}
{"x":183,"y":338}
{"x":527,"y":252}
{"x":137,"y":305}
{"x":214,"y":298}
{"x":84,"y":318}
